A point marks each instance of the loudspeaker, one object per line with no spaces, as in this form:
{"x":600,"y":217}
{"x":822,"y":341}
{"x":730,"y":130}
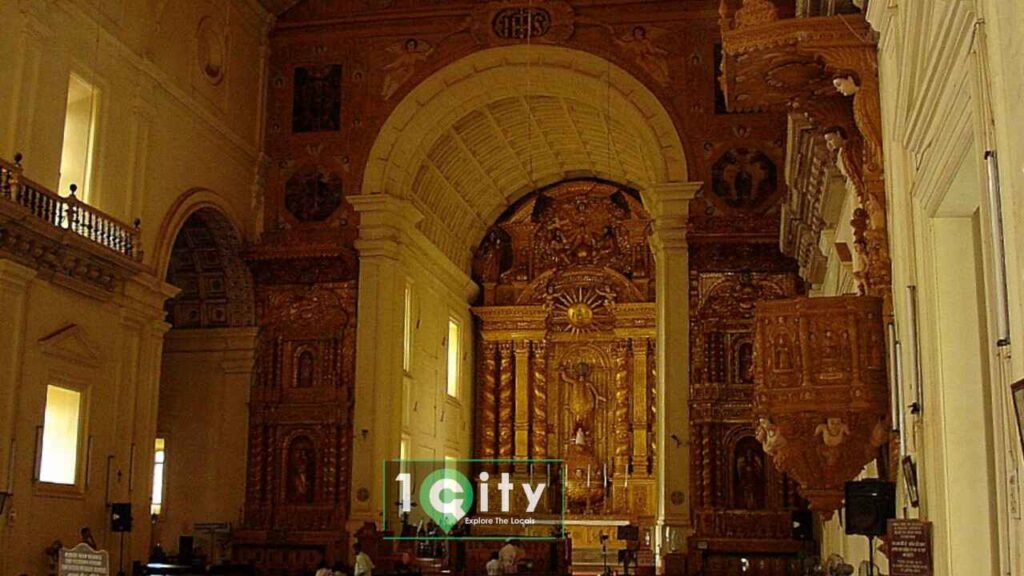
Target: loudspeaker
{"x":121,"y":517}
{"x":185,"y":549}
{"x":869,"y":505}
{"x":803,"y":525}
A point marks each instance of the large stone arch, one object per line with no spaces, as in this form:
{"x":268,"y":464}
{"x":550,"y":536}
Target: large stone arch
{"x":459,"y":149}
{"x":505,"y":102}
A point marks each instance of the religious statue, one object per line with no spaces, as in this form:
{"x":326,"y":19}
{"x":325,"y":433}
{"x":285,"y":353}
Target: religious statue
{"x":408,"y":55}
{"x":833,"y":432}
{"x":745,"y":363}
{"x":301,"y":471}
{"x":748,"y":490}
{"x":583,"y":398}
{"x":646,"y":54}
{"x":304,"y":372}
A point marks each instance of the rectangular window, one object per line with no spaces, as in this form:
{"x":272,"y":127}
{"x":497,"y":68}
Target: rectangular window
{"x":403,"y":453}
{"x":159,"y":460}
{"x":407,"y":331}
{"x":79,"y":132}
{"x":454,"y":341}
{"x":58,"y":462}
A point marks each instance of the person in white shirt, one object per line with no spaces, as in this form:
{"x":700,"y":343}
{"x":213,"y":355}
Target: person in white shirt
{"x":323,"y":570}
{"x":510,"y":555}
{"x":362,"y":566}
{"x":493,"y":566}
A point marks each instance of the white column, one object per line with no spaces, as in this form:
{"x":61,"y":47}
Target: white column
{"x":15,"y":281}
{"x":669,"y":206}
{"x":385,"y":225}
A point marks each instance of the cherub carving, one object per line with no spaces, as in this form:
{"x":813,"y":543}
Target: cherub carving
{"x":640,"y":45}
{"x":408,"y":55}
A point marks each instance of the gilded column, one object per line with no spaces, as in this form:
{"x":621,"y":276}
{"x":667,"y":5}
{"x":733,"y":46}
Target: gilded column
{"x":505,"y":397}
{"x":522,"y":403}
{"x":621,"y":406}
{"x":488,"y":409}
{"x":640,"y":405}
{"x":540,"y":400}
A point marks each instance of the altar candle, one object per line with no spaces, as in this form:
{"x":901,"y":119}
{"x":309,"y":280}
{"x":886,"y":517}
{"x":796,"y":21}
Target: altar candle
{"x":605,"y":472}
{"x":588,"y":475}
{"x":627,"y":475}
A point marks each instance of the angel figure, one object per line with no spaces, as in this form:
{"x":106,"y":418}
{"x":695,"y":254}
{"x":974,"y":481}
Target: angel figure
{"x":408,"y":55}
{"x":648,"y":56}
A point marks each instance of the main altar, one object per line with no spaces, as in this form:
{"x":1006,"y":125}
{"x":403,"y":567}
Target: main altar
{"x":566,"y":333}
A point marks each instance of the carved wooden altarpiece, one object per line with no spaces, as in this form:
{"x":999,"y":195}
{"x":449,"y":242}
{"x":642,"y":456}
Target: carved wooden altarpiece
{"x":566,"y":344}
{"x":300,"y":411}
{"x":742,"y":504}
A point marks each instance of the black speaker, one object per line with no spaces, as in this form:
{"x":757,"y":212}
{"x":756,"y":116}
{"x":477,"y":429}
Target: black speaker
{"x":121,"y":517}
{"x":869,"y":505}
{"x":803,"y":525}
{"x":185,"y":549}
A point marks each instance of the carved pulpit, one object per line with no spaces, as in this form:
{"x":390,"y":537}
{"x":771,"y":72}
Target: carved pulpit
{"x":566,"y":337}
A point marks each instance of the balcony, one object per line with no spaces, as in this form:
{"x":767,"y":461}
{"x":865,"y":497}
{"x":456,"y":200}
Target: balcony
{"x":67,"y":241}
{"x":68,"y":213}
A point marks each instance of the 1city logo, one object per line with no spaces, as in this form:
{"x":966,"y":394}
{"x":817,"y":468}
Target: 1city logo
{"x":446,"y":495}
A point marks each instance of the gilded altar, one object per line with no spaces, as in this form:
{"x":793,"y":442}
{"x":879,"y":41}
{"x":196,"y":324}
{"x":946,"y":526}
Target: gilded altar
{"x":566,"y":344}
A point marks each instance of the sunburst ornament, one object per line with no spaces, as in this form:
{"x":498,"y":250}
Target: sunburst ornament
{"x":579,"y":310}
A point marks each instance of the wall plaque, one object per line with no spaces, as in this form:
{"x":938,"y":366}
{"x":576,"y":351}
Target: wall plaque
{"x":548,"y":21}
{"x":82,"y":560}
{"x":910,"y":548}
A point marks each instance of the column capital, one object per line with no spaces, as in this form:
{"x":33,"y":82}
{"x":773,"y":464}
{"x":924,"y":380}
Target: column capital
{"x":669,"y":206}
{"x":384,"y":221}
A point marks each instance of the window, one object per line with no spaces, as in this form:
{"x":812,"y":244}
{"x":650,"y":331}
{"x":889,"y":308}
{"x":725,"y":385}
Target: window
{"x":159,"y":459}
{"x":58,"y":462}
{"x":407,"y":331}
{"x":454,"y":340}
{"x":403,"y":454}
{"x":79,"y":130}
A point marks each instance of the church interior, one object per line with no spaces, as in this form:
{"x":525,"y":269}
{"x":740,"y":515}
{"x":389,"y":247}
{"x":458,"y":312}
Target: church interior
{"x":740,"y":277}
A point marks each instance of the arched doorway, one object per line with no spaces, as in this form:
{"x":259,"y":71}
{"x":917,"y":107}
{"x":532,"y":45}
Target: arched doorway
{"x":455,"y":154}
{"x":200,"y":452}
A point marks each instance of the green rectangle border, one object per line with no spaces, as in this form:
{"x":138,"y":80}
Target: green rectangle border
{"x":384,"y":499}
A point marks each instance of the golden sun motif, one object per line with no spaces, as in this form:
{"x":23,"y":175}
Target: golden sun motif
{"x":579,"y":309}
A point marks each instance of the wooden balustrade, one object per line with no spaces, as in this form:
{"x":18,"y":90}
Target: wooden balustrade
{"x":68,"y":213}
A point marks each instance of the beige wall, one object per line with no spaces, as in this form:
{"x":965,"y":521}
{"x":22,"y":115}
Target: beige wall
{"x":204,"y":414}
{"x":110,"y":351}
{"x":951,"y":83}
{"x":163,"y":128}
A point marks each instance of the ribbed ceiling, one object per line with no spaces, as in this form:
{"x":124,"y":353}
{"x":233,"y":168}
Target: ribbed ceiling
{"x":493,"y":154}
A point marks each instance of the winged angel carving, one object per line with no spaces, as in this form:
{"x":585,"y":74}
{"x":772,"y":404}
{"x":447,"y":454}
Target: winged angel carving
{"x":407,"y":56}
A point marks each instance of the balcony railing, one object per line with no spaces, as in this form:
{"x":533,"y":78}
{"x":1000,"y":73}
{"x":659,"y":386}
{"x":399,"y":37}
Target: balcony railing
{"x":68,"y":213}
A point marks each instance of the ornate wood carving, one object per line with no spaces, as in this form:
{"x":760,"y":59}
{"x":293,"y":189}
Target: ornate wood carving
{"x":824,"y":68}
{"x":741,"y":502}
{"x":297,"y":493}
{"x":821,"y":395}
{"x":568,"y":270}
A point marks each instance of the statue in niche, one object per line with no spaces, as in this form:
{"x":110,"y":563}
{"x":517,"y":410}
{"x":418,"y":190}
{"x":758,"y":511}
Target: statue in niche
{"x":783,"y":353}
{"x":745,"y":363}
{"x":407,"y":56}
{"x":316,"y":104}
{"x":301,"y":475}
{"x":583,"y":400}
{"x":639,"y":44}
{"x":748,"y":475}
{"x":304,"y":372}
